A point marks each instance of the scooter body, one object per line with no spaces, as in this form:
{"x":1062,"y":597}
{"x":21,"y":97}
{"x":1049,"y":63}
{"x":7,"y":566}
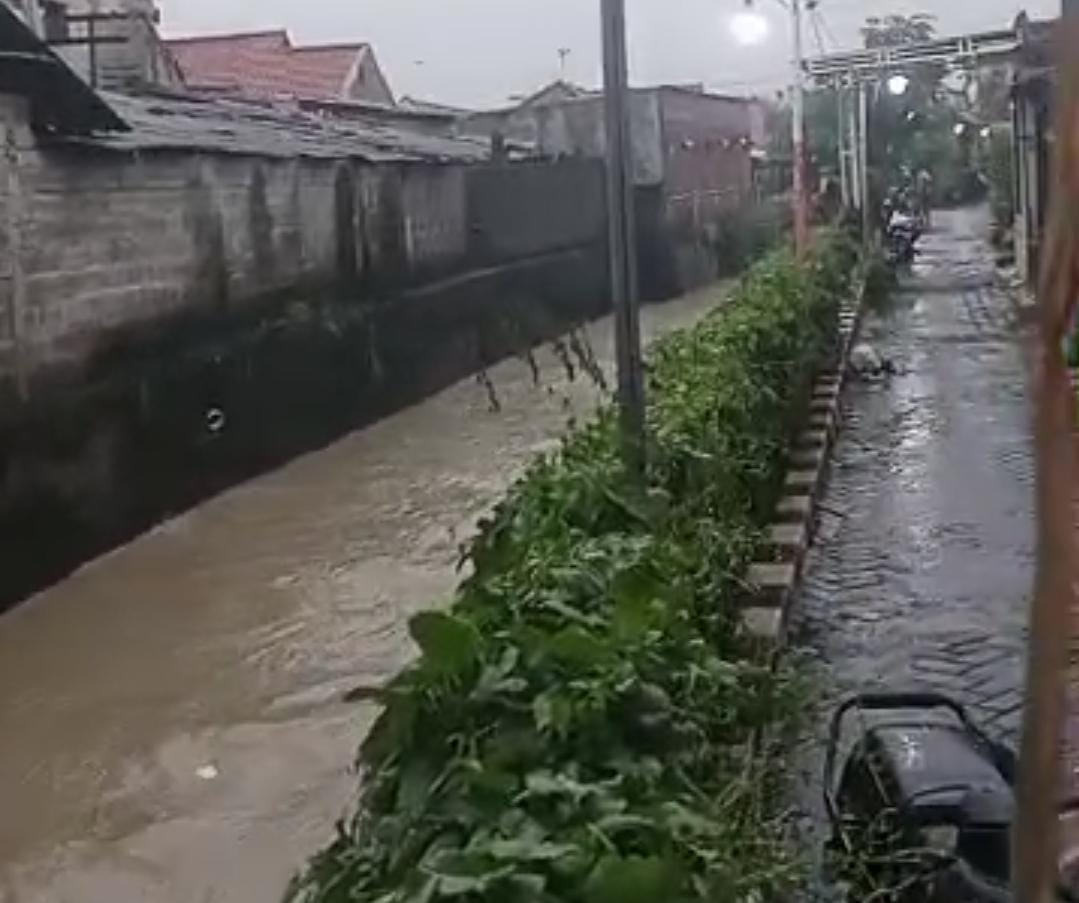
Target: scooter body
{"x":901,"y":236}
{"x":924,"y":800}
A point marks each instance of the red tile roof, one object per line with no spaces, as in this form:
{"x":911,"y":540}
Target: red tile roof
{"x":267,"y":64}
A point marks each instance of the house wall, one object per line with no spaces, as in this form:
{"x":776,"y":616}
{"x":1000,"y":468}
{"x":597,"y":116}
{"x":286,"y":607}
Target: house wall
{"x":561,"y":213}
{"x":691,"y":169}
{"x":708,"y":176}
{"x":109,"y":242}
{"x":577,"y":128}
{"x":521,"y":123}
{"x":370,"y":83}
{"x":705,"y":153}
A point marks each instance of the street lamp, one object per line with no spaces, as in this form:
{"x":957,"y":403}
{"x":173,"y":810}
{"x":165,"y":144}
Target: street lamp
{"x":897,"y":85}
{"x":750,"y":27}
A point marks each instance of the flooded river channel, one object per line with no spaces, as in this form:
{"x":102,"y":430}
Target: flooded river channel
{"x":170,"y":715}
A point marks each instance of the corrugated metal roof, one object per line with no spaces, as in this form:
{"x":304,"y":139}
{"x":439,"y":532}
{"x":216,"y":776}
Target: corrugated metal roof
{"x":180,"y":122}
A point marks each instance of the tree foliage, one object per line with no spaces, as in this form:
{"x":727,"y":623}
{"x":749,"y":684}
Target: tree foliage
{"x":916,"y":130}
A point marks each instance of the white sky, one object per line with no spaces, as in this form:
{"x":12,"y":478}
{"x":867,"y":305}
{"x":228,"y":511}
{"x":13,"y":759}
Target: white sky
{"x":479,"y":52}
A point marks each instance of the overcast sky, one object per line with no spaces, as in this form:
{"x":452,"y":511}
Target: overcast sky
{"x":479,"y":52}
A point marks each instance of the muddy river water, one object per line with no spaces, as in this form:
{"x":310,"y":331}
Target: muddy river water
{"x":171,"y":727}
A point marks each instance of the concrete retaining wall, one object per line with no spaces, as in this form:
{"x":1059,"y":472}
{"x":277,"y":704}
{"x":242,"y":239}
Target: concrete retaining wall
{"x":519,"y":210}
{"x":108,"y":242}
{"x":187,"y":413}
{"x":96,"y":245}
{"x":171,"y":323}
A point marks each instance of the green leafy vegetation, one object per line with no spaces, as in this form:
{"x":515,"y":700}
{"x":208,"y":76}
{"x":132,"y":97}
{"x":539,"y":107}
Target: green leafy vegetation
{"x":583,"y":723}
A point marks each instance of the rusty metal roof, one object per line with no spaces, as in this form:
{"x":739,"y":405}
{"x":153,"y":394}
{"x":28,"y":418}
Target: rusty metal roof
{"x":60,"y":101}
{"x":179,"y":122}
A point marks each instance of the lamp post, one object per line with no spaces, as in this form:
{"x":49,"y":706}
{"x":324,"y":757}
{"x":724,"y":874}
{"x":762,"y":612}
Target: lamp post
{"x":751,"y":28}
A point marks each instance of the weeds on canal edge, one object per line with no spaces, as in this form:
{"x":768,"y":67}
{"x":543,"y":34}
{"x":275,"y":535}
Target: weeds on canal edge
{"x":578,"y":725}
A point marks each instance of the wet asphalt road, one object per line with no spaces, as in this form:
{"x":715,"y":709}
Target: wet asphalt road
{"x":923,"y":566}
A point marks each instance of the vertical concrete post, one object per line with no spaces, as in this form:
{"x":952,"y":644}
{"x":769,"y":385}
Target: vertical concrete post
{"x":621,"y":227}
{"x":801,"y":176}
{"x":841,"y":144}
{"x":863,"y":153}
{"x":854,"y":173}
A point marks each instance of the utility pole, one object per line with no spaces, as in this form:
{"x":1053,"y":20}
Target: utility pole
{"x":863,"y":164}
{"x":841,"y":144}
{"x":622,"y":236}
{"x":855,"y":173}
{"x":801,"y":200}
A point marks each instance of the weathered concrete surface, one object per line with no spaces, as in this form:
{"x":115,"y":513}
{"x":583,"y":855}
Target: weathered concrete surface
{"x":924,"y":561}
{"x":86,"y":468}
{"x":170,"y":714}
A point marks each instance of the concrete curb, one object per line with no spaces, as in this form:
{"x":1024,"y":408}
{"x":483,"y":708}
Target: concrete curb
{"x":774,"y":580}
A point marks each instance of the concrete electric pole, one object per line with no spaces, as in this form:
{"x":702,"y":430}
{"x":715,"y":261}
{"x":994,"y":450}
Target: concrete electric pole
{"x":801,"y":188}
{"x":622,"y":236}
{"x":841,"y":144}
{"x":863,"y":163}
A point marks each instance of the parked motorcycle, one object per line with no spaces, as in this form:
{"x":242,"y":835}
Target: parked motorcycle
{"x":922,"y":807}
{"x":901,"y":237}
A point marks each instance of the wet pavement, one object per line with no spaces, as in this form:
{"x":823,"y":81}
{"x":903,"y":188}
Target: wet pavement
{"x":170,"y":715}
{"x":924,"y":562}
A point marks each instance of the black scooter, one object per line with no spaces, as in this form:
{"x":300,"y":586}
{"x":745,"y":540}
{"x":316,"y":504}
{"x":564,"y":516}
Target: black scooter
{"x":921,"y":811}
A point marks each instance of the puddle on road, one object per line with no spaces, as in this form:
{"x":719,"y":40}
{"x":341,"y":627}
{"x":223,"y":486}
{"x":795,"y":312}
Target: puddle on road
{"x":171,"y":716}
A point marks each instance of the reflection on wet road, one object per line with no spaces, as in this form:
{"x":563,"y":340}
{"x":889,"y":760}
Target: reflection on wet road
{"x":925,"y":558}
{"x":170,"y":714}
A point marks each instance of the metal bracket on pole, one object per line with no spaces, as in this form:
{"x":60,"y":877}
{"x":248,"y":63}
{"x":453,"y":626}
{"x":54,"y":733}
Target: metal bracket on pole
{"x":622,"y":236}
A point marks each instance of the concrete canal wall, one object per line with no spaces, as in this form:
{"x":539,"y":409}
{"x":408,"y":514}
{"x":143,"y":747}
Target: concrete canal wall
{"x":175,"y":321}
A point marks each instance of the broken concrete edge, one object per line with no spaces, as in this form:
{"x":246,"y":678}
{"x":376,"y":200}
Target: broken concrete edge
{"x":775,"y":583}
